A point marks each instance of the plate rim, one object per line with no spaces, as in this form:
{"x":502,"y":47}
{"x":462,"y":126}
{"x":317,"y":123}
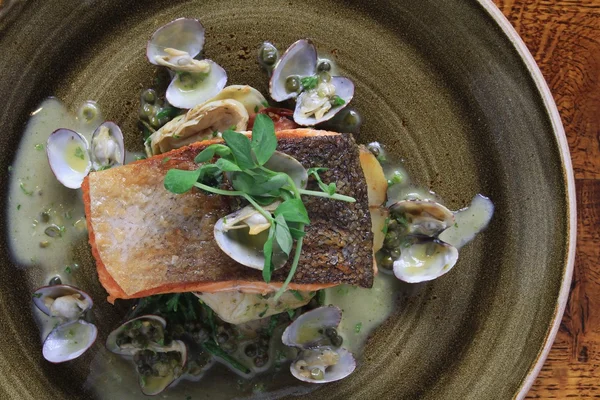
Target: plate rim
{"x":559,"y":133}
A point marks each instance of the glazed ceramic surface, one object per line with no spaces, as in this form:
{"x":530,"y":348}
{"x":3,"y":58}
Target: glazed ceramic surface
{"x":446,"y":85}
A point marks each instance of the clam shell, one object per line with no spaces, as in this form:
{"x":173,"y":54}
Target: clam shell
{"x":251,"y":98}
{"x":111,"y":341}
{"x":185,"y":34}
{"x":281,"y":162}
{"x":68,"y":156}
{"x":300,"y":59}
{"x":425,"y":260}
{"x":344,"y":367}
{"x":182,"y":97}
{"x":68,"y":341}
{"x":344,"y":88}
{"x":304,"y":331}
{"x":105,"y":153}
{"x":55,"y":291}
{"x":424,"y":217}
{"x":152,"y":385}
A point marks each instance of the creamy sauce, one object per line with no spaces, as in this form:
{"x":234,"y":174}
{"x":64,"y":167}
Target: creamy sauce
{"x":363,"y":310}
{"x":469,"y":222}
{"x":34,"y":190}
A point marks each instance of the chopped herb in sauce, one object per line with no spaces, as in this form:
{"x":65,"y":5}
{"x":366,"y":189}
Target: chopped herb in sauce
{"x":337,"y":101}
{"x":24,"y":189}
{"x":39,"y":147}
{"x":358,"y":327}
{"x":79,"y":153}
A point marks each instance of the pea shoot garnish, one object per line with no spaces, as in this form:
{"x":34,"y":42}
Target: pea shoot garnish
{"x":244,"y":160}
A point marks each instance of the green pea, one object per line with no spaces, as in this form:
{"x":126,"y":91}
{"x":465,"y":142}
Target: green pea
{"x":324,"y":66}
{"x":292,"y":84}
{"x":149,"y":96}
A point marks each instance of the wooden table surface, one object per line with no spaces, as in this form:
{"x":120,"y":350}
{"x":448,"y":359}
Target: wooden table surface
{"x":564,"y":38}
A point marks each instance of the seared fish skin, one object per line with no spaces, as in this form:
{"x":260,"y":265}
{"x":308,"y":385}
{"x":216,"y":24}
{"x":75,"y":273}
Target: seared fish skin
{"x":147,"y":240}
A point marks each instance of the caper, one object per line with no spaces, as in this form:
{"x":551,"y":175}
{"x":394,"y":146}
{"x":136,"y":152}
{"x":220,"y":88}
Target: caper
{"x":317,"y":374}
{"x":261,"y":361}
{"x":387,"y":262}
{"x":149,"y":96}
{"x":390,"y":237}
{"x":55,"y":281}
{"x":267,"y":55}
{"x":395,"y":253}
{"x":337,"y":340}
{"x":324,"y":66}
{"x":229,"y":347}
{"x":89,"y":111}
{"x":200,"y":335}
{"x":44,"y":244}
{"x":145,"y":370}
{"x":146,"y":111}
{"x":346,"y":121}
{"x":154,"y":121}
{"x":45,"y":216}
{"x":374,"y":148}
{"x":251,"y":350}
{"x":222,"y":337}
{"x":292,"y":84}
{"x":330,"y":332}
{"x":393,"y":225}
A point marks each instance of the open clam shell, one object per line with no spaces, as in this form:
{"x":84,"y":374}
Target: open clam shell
{"x":300,"y":59}
{"x":68,"y":341}
{"x":188,"y":89}
{"x":184,"y":34}
{"x":68,"y":156}
{"x":63,"y":301}
{"x":425,"y":260}
{"x":423,"y":217}
{"x":163,"y":375}
{"x":107,"y":148}
{"x":307,"y":330}
{"x":314,"y":366}
{"x":136,"y":334}
{"x":281,"y":162}
{"x":311,"y":99}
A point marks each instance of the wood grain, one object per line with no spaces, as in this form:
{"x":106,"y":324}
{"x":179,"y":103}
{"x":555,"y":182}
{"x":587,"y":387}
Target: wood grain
{"x":564,"y":37}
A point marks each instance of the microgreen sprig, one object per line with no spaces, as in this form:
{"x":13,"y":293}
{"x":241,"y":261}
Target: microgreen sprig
{"x":245,"y":160}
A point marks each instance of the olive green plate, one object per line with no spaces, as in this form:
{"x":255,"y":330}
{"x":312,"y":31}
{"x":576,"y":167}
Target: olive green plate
{"x":446,"y":84}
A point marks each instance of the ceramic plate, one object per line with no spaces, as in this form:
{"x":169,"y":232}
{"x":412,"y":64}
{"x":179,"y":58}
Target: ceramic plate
{"x":447,"y":85}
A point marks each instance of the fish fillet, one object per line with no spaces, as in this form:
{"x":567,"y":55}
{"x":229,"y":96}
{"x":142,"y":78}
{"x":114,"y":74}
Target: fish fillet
{"x":147,"y":240}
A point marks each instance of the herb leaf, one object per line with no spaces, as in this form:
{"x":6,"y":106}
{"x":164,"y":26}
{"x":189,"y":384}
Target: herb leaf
{"x":179,"y":181}
{"x":309,"y":82}
{"x":226,"y":165}
{"x":268,"y":252}
{"x":209,"y":152}
{"x":283,"y":235}
{"x":241,"y":149}
{"x":264,"y":141}
{"x":293,"y":210}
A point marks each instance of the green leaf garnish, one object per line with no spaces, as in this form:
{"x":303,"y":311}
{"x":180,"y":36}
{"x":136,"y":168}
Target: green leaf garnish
{"x":209,"y":152}
{"x":179,"y":181}
{"x":309,"y":82}
{"x":263,"y":142}
{"x":241,"y":149}
{"x":293,"y":210}
{"x":283,"y":235}
{"x":226,"y":165}
{"x":297,"y":295}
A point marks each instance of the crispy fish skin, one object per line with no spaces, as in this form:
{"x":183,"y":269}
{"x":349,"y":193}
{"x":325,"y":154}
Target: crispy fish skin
{"x":148,"y":241}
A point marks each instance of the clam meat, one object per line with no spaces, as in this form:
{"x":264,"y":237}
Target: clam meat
{"x":424,"y":260}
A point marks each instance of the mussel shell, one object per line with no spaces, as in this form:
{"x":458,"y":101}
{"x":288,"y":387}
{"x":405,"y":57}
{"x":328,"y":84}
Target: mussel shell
{"x":425,"y":260}
{"x":69,"y":341}
{"x":205,"y":90}
{"x":117,"y":135}
{"x":55,"y":291}
{"x":152,"y":385}
{"x":185,"y":34}
{"x":424,"y":217}
{"x":344,"y":88}
{"x":111,"y":341}
{"x":60,"y":144}
{"x":304,"y":331}
{"x":344,"y":367}
{"x":300,"y":59}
